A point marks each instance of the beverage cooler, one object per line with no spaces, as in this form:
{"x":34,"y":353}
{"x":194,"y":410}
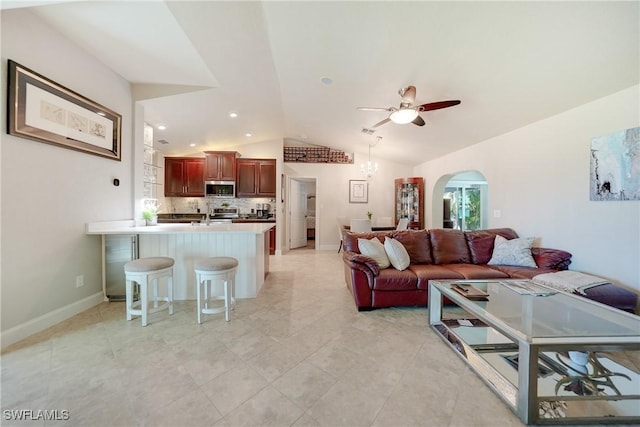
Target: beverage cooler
{"x":410,"y":201}
{"x":118,"y":250}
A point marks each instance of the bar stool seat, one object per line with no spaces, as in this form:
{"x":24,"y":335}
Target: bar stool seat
{"x":209,"y":270}
{"x":146,"y":271}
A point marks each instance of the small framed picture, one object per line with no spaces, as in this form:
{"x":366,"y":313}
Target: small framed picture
{"x":358,"y":191}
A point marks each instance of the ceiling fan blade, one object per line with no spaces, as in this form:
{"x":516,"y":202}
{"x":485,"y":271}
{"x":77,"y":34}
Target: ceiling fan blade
{"x":374,"y":109}
{"x":419,"y":121}
{"x":408,"y":95}
{"x":438,"y":105}
{"x":381,"y":122}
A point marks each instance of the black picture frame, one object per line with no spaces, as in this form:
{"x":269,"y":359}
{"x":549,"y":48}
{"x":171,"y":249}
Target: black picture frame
{"x":43,"y":110}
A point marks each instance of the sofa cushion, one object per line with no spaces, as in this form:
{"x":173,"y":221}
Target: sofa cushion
{"x":515,"y":252}
{"x":417,"y":244}
{"x":426,"y":272}
{"x":473,"y":271}
{"x":481,"y":242}
{"x":391,"y":279}
{"x":551,"y":258}
{"x":374,"y":249}
{"x":398,"y":256}
{"x":615,"y":296}
{"x":520,"y":272}
{"x":449,"y":246}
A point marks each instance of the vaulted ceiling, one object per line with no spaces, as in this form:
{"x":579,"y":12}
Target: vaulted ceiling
{"x":510,"y":63}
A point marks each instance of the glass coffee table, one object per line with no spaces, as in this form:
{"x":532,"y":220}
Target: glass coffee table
{"x":554,"y":358}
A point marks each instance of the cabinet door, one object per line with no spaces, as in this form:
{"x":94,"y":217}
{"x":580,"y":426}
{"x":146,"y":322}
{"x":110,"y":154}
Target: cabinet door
{"x":267,"y":178}
{"x":220,"y":165}
{"x":272,"y":241}
{"x":173,"y":177}
{"x":183,"y":177}
{"x":194,"y":177}
{"x":228,"y":166}
{"x":247,"y":172}
{"x":256,"y":178}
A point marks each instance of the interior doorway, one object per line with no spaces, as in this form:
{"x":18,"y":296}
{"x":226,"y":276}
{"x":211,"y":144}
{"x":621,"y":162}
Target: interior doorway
{"x":465,"y":202}
{"x":302,"y":224}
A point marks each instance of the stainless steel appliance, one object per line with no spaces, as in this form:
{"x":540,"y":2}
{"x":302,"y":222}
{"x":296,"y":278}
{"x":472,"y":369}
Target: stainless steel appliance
{"x":224,"y":214}
{"x":263,"y":210}
{"x":222,"y":189}
{"x":119,"y":249}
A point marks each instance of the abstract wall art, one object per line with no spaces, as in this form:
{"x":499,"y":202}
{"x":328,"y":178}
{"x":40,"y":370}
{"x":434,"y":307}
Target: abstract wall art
{"x":615,"y":166}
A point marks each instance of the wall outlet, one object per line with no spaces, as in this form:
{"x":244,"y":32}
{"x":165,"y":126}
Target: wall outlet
{"x":79,"y":281}
{"x":497,"y":213}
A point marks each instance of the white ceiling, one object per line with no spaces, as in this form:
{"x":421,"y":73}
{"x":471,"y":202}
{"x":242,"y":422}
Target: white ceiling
{"x":511,"y":63}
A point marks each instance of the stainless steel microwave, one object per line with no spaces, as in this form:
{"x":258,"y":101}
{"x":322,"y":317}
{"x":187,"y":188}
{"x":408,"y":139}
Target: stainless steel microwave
{"x":220,"y":188}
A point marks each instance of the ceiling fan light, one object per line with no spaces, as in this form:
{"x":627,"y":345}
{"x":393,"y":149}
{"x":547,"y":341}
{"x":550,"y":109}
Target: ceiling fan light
{"x":403,"y":116}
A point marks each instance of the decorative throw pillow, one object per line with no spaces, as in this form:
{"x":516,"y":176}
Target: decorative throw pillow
{"x":375,"y":250}
{"x":398,"y":255}
{"x":514,"y":252}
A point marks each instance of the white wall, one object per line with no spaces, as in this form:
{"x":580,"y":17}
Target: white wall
{"x":538,"y":179}
{"x":49,"y":193}
{"x":332,"y":193}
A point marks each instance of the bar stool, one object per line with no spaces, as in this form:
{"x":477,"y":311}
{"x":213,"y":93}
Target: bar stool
{"x":146,"y":271}
{"x":207,"y":271}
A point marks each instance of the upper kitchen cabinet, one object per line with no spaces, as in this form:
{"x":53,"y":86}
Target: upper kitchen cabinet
{"x":256,"y":178}
{"x":220,"y":165}
{"x":184,"y":177}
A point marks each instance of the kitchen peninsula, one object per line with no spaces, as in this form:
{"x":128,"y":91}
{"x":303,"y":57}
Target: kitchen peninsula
{"x":186,"y":243}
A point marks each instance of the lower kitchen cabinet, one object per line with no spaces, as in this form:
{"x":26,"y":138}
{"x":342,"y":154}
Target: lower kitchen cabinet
{"x":272,"y":241}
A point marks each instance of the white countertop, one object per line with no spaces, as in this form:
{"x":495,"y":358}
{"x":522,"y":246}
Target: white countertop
{"x":137,"y":227}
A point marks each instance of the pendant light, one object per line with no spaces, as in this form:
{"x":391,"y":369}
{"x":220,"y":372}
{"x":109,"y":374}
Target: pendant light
{"x":370,"y":169}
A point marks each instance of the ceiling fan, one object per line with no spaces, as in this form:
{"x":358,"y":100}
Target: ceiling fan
{"x":407,"y":113}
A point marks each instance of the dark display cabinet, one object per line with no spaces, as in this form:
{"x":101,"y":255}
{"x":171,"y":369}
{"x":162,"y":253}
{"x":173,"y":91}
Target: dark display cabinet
{"x":409,"y":199}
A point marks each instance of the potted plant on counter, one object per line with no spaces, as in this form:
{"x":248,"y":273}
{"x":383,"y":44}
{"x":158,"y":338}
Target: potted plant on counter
{"x":150,"y":211}
{"x":150,"y":215}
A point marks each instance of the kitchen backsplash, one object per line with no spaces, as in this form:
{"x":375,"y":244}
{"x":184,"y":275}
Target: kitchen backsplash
{"x":192,"y":204}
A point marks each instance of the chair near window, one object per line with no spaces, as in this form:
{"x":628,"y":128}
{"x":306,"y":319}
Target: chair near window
{"x":403,"y":224}
{"x":360,"y":226}
{"x":341,"y":221}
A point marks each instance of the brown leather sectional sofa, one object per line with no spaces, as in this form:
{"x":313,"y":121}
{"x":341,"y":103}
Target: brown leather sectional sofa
{"x":447,"y":254}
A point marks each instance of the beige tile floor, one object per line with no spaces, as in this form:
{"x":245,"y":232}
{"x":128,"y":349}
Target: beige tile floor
{"x":299,"y":354}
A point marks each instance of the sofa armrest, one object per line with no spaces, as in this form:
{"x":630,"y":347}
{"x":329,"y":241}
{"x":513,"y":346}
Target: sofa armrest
{"x":361,"y":262}
{"x":555,"y":259}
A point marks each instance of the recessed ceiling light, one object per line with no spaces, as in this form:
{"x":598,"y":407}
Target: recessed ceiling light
{"x":326,"y":80}
{"x":233,"y":114}
{"x":161,"y":127}
{"x":192,"y":144}
{"x":248,"y":134}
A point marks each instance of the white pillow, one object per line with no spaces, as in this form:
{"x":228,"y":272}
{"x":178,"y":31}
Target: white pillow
{"x":397,"y":254}
{"x":514,"y":252}
{"x":374,"y":249}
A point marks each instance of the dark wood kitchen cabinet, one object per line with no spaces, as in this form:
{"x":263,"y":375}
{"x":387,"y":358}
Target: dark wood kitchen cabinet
{"x":256,"y":178}
{"x":272,"y":241}
{"x":220,"y":165}
{"x":183,"y":177}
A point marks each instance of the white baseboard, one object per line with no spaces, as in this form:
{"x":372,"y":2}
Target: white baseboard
{"x":41,"y":323}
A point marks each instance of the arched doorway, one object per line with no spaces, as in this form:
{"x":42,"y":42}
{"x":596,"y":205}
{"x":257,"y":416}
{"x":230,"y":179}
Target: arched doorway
{"x":464,"y":201}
